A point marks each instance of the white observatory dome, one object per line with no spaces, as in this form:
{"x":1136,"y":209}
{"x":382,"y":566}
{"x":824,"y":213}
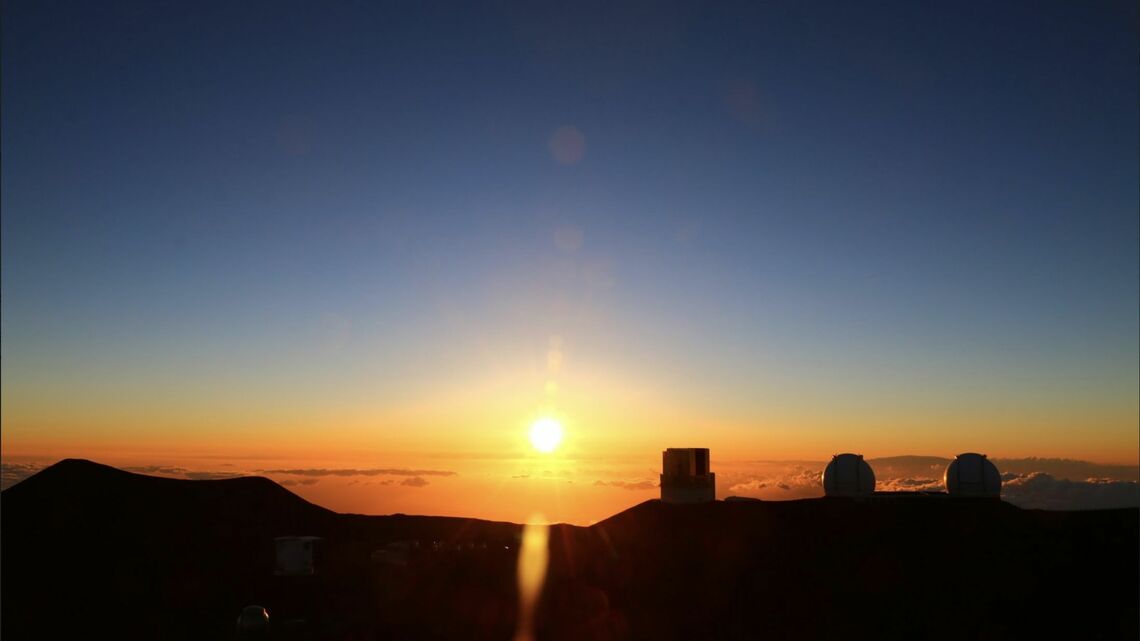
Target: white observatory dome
{"x":848,"y":475}
{"x":972,"y":474}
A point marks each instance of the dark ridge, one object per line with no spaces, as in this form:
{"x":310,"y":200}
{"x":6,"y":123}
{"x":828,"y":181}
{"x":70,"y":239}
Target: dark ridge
{"x":70,"y":470}
{"x":129,"y":556}
{"x":79,"y":467}
{"x":77,"y":491}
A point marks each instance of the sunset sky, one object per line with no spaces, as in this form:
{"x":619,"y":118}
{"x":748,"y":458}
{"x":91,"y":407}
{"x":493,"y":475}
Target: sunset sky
{"x":257,"y":236}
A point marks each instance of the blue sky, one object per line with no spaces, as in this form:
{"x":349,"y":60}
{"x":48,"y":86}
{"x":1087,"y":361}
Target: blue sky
{"x":795,"y":200}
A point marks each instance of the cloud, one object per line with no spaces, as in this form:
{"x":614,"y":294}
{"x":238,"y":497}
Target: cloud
{"x":210,"y":476}
{"x":13,"y":473}
{"x":771,"y":479}
{"x":909,"y":466}
{"x":908,"y":484}
{"x":1055,"y":484}
{"x":414,"y":481}
{"x":180,"y":472}
{"x":1063,"y":468}
{"x":166,"y":470}
{"x":320,"y":471}
{"x":292,"y":482}
{"x":627,"y":485}
{"x":1042,"y":491}
{"x":933,"y":466}
{"x":749,"y":486}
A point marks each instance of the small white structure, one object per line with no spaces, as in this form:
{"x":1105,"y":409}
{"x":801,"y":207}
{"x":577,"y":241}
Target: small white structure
{"x":972,"y":474}
{"x":848,"y":475}
{"x":685,"y":476}
{"x":295,"y":555}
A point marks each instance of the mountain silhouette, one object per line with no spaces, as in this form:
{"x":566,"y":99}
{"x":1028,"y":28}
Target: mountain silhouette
{"x":911,"y":460}
{"x":77,"y":491}
{"x":92,"y":551}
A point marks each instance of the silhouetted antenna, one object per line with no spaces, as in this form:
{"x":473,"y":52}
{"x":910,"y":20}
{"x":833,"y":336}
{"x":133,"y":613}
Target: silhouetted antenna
{"x":848,"y":475}
{"x":972,"y":474}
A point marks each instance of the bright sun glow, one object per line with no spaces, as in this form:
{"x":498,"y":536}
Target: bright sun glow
{"x":545,"y":434}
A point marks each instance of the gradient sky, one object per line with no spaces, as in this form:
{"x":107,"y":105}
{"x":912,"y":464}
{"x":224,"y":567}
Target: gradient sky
{"x":364,"y":231}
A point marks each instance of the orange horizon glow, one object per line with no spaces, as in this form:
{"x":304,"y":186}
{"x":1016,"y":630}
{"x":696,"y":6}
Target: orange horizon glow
{"x":798,"y":441}
{"x":585,"y":481}
{"x":612,"y":428}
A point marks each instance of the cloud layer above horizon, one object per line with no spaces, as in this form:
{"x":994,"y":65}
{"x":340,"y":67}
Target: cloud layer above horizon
{"x":1031,"y":483}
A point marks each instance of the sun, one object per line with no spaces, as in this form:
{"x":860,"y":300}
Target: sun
{"x":546,"y":434}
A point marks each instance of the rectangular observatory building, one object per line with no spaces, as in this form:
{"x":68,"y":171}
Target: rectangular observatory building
{"x":685,"y":476}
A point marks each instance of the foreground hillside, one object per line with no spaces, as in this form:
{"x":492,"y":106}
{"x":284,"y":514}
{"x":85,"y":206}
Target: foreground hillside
{"x":91,"y":551}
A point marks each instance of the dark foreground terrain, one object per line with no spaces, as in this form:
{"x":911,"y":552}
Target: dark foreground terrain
{"x":92,"y":552}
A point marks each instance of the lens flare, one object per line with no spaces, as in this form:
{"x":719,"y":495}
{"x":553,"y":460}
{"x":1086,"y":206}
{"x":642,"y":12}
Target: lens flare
{"x":533,"y":560}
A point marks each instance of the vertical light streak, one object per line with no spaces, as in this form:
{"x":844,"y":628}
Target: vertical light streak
{"x":534,"y":556}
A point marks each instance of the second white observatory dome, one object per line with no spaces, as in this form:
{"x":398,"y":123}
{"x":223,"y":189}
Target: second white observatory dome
{"x":848,"y":475}
{"x":972,"y":474}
